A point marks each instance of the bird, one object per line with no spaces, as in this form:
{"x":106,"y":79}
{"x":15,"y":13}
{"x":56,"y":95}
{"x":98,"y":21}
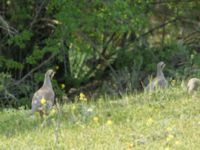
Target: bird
{"x":159,"y":81}
{"x":193,"y":85}
{"x":43,"y":98}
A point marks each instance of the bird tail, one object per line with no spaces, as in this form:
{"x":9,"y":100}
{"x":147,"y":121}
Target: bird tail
{"x":32,"y":111}
{"x":29,"y":113}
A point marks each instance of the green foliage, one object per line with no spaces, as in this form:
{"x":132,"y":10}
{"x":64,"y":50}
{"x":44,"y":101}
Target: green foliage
{"x":20,"y":39}
{"x":9,"y":64}
{"x":97,"y":39}
{"x":4,"y":78}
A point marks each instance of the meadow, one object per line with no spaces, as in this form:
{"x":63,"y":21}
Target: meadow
{"x":162,"y":120}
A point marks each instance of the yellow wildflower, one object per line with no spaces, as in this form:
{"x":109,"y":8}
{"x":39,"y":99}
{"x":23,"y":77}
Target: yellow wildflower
{"x":57,"y":67}
{"x":62,"y":86}
{"x":96,"y":119}
{"x":177,"y":142}
{"x":169,"y":137}
{"x":73,"y":107}
{"x":130,"y":145}
{"x":82,"y":97}
{"x":53,"y":111}
{"x":169,"y":129}
{"x":43,"y":101}
{"x":150,"y":121}
{"x":173,"y":82}
{"x":109,"y":122}
{"x":167,"y":148}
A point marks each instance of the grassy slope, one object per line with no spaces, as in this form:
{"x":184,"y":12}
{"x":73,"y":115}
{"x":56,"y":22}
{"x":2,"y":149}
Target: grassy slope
{"x":162,"y":120}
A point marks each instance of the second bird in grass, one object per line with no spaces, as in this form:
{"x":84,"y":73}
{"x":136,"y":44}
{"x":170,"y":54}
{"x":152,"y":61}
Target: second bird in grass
{"x":193,"y":85}
{"x":43,"y":99}
{"x":159,"y":81}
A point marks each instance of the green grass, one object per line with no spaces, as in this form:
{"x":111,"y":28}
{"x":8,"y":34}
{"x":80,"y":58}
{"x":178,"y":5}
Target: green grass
{"x":164,"y":120}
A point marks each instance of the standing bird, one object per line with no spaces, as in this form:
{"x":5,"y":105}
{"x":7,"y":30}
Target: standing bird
{"x":193,"y":85}
{"x":43,"y":99}
{"x":159,"y":81}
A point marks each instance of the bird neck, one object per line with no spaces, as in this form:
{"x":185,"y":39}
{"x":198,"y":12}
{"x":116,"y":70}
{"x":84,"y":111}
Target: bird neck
{"x":160,"y":72}
{"x":47,"y":81}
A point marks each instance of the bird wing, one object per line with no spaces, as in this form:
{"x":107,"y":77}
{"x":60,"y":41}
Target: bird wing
{"x":46,"y":93}
{"x":162,"y":82}
{"x":157,"y":82}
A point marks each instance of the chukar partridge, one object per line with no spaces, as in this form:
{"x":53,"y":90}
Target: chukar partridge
{"x":193,"y":85}
{"x":159,"y":81}
{"x":43,"y":99}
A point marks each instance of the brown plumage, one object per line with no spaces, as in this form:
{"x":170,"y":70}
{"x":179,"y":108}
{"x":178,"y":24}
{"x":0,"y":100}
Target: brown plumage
{"x":193,"y":85}
{"x":46,"y":94}
{"x":159,"y":81}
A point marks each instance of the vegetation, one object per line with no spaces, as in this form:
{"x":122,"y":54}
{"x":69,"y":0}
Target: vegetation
{"x":161,"y":120}
{"x":104,"y":52}
{"x":104,"y":46}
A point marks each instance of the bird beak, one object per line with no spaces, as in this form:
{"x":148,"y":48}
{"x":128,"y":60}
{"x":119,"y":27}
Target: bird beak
{"x":52,"y":74}
{"x":163,"y":66}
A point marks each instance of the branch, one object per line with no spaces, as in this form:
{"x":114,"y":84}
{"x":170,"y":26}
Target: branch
{"x":170,"y":1}
{"x":101,"y":56}
{"x":9,"y":95}
{"x":11,"y":31}
{"x":107,"y":43}
{"x":34,"y":69}
{"x":189,"y":35}
{"x":156,"y":28}
{"x":37,"y":14}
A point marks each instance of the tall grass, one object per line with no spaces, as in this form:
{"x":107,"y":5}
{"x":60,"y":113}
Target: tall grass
{"x":165,"y":120}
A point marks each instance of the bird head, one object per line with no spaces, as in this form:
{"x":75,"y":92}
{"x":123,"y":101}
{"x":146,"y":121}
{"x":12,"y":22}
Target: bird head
{"x":161,"y":65}
{"x":50,"y":73}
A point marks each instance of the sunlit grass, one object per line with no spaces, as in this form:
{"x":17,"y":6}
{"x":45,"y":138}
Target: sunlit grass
{"x":165,"y":120}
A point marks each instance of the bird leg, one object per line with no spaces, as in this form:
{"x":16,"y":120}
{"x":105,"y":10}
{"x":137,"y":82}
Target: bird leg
{"x":41,"y":114}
